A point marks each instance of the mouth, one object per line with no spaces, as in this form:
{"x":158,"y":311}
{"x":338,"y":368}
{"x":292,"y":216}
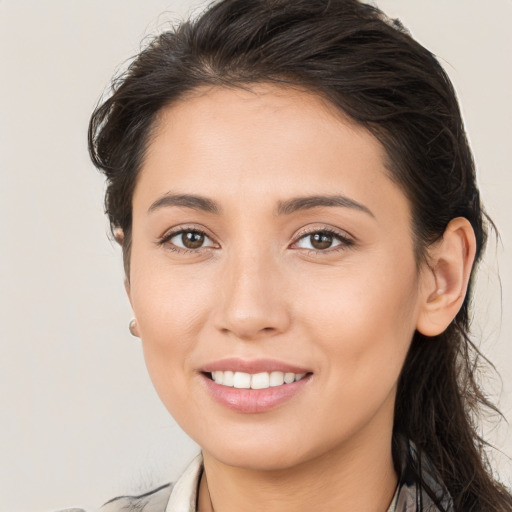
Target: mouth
{"x":261,"y":380}
{"x":254,"y":386}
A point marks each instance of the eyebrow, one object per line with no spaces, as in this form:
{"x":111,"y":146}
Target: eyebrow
{"x":284,"y":207}
{"x":188,"y":201}
{"x":309,"y":202}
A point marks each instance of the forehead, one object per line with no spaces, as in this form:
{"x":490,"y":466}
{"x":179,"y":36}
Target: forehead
{"x":246,"y":108}
{"x":264,"y":142}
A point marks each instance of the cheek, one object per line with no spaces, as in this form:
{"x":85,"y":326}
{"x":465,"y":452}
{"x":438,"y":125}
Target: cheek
{"x":168,"y":301}
{"x":362,"y":296}
{"x":171,"y":307}
{"x":364,"y":322}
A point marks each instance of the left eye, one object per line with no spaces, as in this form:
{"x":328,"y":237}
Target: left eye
{"x":191,"y":239}
{"x":320,"y":241}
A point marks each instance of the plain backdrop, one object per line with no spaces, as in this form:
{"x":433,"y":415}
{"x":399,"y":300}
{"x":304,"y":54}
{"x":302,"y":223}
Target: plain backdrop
{"x":79,"y":421}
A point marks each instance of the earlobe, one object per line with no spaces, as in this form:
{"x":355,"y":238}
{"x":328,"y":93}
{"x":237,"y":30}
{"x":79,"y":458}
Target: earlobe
{"x":118,"y":235}
{"x":445,"y":281}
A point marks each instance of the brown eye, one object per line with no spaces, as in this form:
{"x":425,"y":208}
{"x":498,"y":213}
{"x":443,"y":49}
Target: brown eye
{"x":192,"y":239}
{"x":189,"y":239}
{"x":321,"y":240}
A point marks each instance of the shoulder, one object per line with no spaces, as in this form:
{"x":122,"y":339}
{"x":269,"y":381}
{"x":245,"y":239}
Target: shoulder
{"x":152,"y":501}
{"x":157,"y":500}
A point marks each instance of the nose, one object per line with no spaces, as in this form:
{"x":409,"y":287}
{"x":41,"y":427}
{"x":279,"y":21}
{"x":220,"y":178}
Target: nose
{"x":252,"y":300}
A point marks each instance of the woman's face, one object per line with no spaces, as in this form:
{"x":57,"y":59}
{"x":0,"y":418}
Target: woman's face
{"x":268,"y":239}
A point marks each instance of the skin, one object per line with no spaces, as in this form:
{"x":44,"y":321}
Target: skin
{"x":256,"y":289}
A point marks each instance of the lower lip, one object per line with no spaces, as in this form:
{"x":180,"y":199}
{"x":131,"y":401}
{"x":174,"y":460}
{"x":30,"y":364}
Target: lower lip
{"x":251,"y":401}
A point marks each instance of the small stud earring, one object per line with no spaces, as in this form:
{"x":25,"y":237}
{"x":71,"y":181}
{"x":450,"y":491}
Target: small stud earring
{"x":133,"y":328}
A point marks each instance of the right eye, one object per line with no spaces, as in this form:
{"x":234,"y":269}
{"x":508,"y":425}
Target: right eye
{"x":188,"y":240}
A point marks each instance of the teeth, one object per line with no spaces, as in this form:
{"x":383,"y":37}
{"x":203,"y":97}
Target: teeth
{"x":260,"y":381}
{"x":263,"y":380}
{"x":276,"y":379}
{"x":228,"y":378}
{"x":242,"y":380}
{"x":289,"y":378}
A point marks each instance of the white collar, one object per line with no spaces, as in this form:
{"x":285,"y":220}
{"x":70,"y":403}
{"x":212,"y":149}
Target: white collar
{"x":184,"y":492}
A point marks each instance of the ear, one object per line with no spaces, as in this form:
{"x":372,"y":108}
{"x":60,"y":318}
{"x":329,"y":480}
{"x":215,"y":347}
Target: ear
{"x":133,"y":325}
{"x":446,"y":277}
{"x":118,"y":235}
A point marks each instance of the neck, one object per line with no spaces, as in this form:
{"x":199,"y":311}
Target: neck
{"x":355,"y":478}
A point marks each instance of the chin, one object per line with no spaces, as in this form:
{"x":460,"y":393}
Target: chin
{"x":258,"y":458}
{"x":259,"y":450}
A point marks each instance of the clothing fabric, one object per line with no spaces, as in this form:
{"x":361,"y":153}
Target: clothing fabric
{"x":410,"y":496}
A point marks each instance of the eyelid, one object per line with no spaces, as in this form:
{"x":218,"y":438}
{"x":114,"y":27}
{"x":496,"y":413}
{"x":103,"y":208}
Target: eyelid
{"x":177,"y":230}
{"x":319,"y":228}
{"x":346,"y":238}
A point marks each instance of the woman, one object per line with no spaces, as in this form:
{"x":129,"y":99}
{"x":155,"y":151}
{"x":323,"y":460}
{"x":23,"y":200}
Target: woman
{"x":295,"y":197}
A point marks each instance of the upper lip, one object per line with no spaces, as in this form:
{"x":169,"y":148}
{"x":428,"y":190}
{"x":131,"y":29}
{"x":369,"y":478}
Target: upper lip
{"x":252,"y":366}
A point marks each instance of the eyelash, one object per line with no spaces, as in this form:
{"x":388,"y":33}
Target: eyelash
{"x":164,"y":241}
{"x":345,"y":241}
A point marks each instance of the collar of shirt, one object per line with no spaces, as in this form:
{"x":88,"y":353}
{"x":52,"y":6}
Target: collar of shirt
{"x":184,"y":492}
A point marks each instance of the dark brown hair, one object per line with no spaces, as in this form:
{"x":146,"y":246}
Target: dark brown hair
{"x":372,"y":70}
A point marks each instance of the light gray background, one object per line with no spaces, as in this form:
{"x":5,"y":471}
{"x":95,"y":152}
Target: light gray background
{"x":79,"y":421}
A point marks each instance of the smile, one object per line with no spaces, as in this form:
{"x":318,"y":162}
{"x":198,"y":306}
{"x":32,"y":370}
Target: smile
{"x":262,"y":380}
{"x":254,"y":386}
